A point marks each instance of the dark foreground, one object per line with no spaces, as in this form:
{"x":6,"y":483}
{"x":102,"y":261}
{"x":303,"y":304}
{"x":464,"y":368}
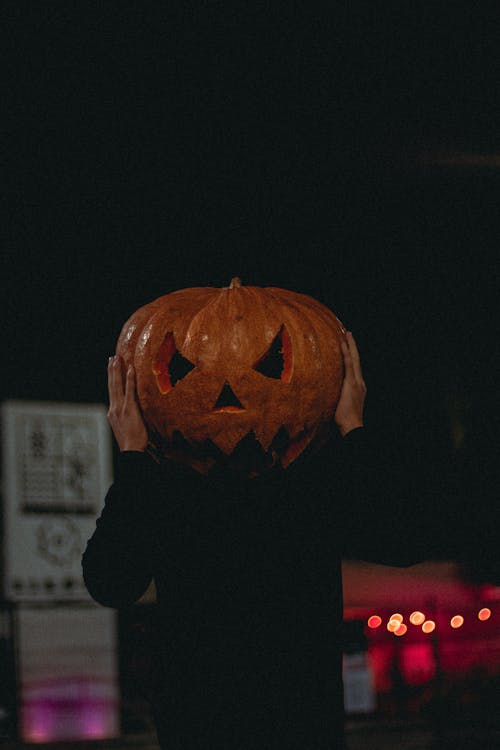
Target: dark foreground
{"x":360,"y":735}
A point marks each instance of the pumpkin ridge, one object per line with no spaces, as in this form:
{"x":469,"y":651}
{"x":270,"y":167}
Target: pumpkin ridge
{"x":299,"y":351}
{"x":310,"y":303}
{"x":259,"y":304}
{"x":305,"y":311}
{"x":309,"y":307}
{"x":326,"y":339}
{"x":321,"y":343}
{"x":195,"y":318}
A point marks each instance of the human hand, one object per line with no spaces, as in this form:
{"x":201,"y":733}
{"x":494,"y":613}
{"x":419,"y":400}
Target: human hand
{"x":349,"y":413}
{"x":124,"y":415}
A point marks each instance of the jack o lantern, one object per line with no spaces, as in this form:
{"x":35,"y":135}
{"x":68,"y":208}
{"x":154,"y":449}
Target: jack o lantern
{"x":243,"y":375}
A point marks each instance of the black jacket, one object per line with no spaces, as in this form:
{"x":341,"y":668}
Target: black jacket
{"x":249,"y":591}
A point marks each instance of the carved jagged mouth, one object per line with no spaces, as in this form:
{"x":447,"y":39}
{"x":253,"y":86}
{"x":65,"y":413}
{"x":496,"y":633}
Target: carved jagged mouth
{"x":248,"y":456}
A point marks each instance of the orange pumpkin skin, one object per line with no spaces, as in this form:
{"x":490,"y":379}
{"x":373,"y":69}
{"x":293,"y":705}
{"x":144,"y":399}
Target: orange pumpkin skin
{"x":227,"y":338}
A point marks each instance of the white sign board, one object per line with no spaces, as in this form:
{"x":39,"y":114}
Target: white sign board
{"x":359,"y":692}
{"x":56,"y":471}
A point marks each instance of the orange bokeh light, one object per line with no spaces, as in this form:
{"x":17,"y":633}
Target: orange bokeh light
{"x":374,"y":621}
{"x":484,"y":614}
{"x":417,"y":618}
{"x":401,"y":630}
{"x":397,"y":617}
{"x":393,"y":625}
{"x":457,"y":621}
{"x":428,"y":626}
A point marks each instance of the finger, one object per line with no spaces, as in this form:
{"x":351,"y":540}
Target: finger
{"x":130,"y":385}
{"x":356,"y":361}
{"x":348,"y":363}
{"x":115,"y":383}
{"x":110,"y":381}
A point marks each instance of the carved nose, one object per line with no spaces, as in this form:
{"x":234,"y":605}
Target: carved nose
{"x":228,"y":401}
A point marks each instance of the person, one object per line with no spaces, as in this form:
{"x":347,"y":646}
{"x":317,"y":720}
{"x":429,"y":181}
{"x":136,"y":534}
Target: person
{"x":247,"y":574}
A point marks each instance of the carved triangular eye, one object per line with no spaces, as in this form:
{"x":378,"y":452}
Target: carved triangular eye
{"x":276,"y":362}
{"x":170,"y":365}
{"x":179,"y":367}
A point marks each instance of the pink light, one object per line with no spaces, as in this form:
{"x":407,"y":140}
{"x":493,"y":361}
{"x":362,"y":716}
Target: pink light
{"x":401,"y":630}
{"x":74,"y":720}
{"x":374,"y":621}
{"x":94,"y":722}
{"x":39,"y":734}
{"x":484,"y":614}
{"x":68,"y":709}
{"x":417,"y":663}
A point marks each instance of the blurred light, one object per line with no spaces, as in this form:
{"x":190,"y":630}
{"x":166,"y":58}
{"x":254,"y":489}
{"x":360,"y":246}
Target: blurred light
{"x":397,"y":617}
{"x":38,"y":734}
{"x":428,"y":626}
{"x":484,"y":614}
{"x":417,"y":618}
{"x":374,"y":621}
{"x":417,"y":662}
{"x":68,"y":710}
{"x":393,"y":625}
{"x":401,"y":630}
{"x":457,"y":621}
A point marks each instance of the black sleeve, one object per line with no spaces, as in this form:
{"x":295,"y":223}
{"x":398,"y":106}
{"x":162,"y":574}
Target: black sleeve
{"x":117,"y":562}
{"x":376,"y":516}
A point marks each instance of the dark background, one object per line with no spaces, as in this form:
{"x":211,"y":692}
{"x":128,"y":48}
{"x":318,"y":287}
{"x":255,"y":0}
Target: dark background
{"x":155,"y":146}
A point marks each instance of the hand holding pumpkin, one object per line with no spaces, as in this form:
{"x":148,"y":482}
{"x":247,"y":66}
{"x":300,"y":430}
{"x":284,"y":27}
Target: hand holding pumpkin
{"x":349,"y":413}
{"x":124,"y":415}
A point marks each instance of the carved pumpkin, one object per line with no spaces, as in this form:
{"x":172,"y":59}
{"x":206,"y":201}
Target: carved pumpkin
{"x":242,"y":375}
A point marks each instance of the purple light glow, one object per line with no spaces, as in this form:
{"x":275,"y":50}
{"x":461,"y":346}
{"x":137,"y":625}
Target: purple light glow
{"x":69,"y":710}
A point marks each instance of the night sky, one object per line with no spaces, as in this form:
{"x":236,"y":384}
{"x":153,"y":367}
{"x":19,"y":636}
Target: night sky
{"x":154,"y":146}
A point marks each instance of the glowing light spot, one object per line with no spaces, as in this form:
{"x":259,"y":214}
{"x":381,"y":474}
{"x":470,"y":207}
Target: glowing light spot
{"x":397,"y":617}
{"x":401,"y":630}
{"x":374,"y":621}
{"x":484,"y":614}
{"x":393,"y":625}
{"x":417,"y":618}
{"x":429,"y":626}
{"x":457,"y":621}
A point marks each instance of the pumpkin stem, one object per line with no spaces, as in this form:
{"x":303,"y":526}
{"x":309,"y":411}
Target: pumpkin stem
{"x":235,"y":282}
